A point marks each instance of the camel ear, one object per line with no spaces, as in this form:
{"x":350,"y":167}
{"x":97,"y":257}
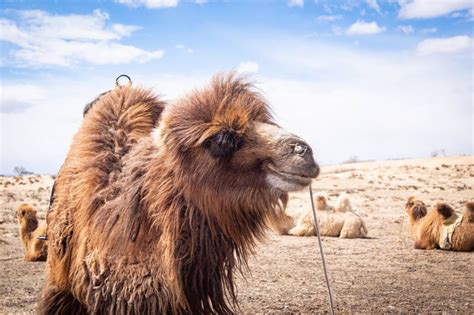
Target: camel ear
{"x":444,"y":209}
{"x":224,"y":143}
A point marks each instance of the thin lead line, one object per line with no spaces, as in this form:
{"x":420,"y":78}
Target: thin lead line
{"x":316,"y":224}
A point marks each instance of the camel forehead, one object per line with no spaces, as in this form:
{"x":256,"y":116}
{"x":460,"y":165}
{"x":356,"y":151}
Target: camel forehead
{"x":25,"y":207}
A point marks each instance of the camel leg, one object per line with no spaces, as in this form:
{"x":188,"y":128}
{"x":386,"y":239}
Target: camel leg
{"x":346,"y":232}
{"x":302,"y":230}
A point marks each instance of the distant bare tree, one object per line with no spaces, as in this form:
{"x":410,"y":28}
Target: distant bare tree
{"x":20,"y":170}
{"x":437,"y":153}
{"x":352,"y":159}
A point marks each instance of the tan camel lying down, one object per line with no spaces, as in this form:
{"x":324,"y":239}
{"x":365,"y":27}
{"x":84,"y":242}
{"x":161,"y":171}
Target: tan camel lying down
{"x":35,"y":249}
{"x":337,"y":221}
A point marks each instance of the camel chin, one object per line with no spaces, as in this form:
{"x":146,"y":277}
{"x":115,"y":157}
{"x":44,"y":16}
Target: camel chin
{"x":287,"y":182}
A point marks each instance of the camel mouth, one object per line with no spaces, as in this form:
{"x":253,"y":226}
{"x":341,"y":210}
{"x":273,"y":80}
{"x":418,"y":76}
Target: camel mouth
{"x":287,"y":181}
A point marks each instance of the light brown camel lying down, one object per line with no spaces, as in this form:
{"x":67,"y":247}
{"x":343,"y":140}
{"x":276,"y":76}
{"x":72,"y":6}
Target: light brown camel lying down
{"x":30,"y":230}
{"x":156,"y":205}
{"x":338,"y":221}
{"x":441,"y":227}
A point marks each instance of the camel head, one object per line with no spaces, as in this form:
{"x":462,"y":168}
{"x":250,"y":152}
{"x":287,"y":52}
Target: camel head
{"x":26,"y":216}
{"x":321,"y":202}
{"x":416,"y":209}
{"x":225,"y":140}
{"x":25,"y":212}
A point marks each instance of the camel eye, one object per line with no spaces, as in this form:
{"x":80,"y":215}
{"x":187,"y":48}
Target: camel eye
{"x":223,"y":144}
{"x":300,"y":149}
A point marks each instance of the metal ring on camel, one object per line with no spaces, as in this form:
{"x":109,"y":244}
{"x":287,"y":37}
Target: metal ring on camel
{"x":117,"y":83}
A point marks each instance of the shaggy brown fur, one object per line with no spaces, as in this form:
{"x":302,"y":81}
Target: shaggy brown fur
{"x":425,"y":226}
{"x":30,"y":230}
{"x":156,"y":223}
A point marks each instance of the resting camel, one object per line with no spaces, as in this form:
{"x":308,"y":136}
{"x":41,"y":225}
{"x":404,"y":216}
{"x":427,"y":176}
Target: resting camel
{"x":157,"y":205}
{"x":332,"y":222}
{"x":441,"y":227}
{"x":30,"y":231}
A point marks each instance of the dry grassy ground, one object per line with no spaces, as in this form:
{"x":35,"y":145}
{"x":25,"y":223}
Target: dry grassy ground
{"x":382,"y":273}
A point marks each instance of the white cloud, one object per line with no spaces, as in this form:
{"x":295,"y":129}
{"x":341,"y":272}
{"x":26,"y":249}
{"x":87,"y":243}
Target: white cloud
{"x":184,"y":48}
{"x":374,"y":5}
{"x":151,"y":4}
{"x":423,"y":9}
{"x":429,"y":30}
{"x":248,"y":67}
{"x":296,"y":3}
{"x":16,"y":98}
{"x":348,"y":5}
{"x":406,"y":29}
{"x":64,"y":40}
{"x":343,"y":101}
{"x":364,"y":28}
{"x":35,"y":129}
{"x":450,"y":45}
{"x":328,"y":18}
{"x":350,"y":99}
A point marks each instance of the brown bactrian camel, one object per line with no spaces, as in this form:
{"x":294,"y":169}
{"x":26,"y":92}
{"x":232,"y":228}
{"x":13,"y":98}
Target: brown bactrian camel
{"x":157,"y":206}
{"x":31,"y":232}
{"x":441,"y":227}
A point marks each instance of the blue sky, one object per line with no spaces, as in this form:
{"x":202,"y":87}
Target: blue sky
{"x":376,"y":79}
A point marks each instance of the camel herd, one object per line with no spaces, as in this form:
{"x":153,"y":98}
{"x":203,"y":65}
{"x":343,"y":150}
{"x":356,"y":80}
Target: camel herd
{"x":439,"y":228}
{"x":157,"y":205}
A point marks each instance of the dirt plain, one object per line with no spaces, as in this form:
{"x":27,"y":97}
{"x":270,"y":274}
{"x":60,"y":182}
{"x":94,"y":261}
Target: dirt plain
{"x":379,"y":274}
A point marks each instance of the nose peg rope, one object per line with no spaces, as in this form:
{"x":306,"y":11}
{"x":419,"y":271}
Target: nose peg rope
{"x":316,"y":225}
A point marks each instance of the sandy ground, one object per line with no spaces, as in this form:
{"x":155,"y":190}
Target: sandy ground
{"x":382,"y":273}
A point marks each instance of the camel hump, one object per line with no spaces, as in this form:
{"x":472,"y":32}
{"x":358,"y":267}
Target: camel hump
{"x":444,"y":209}
{"x":116,"y":121}
{"x":470,"y":211}
{"x":111,"y":128}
